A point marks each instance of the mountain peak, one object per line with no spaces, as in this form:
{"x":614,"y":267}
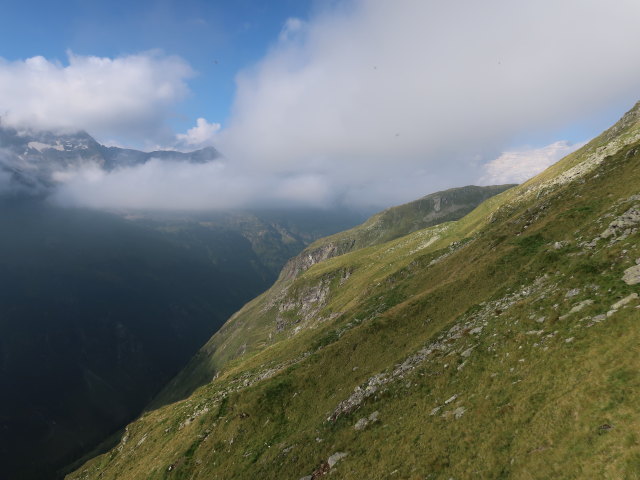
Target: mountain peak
{"x":31,"y":157}
{"x":632,"y":116}
{"x":627,"y":122}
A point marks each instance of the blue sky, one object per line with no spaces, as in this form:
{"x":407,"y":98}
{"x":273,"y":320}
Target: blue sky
{"x":217,"y":38}
{"x":370,"y":102}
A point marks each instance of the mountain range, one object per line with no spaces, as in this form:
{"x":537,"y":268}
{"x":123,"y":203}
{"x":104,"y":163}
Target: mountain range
{"x":30,"y":159}
{"x":499,"y":345}
{"x":100,"y":310}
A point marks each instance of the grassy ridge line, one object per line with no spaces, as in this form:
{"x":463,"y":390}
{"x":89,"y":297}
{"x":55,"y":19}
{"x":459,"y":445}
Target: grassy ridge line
{"x":248,"y":330}
{"x":394,"y":222}
{"x":518,"y":398}
{"x":235,"y":339}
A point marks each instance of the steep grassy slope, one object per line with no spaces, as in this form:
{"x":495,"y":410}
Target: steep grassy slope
{"x":503,"y":345}
{"x":392,"y":223}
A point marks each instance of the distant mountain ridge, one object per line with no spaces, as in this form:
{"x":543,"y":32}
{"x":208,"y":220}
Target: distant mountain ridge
{"x":30,"y":159}
{"x":394,"y":222}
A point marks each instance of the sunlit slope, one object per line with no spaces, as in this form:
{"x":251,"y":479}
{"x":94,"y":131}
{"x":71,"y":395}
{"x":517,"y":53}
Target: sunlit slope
{"x":251,"y":329}
{"x":503,"y":345}
{"x":394,"y":222}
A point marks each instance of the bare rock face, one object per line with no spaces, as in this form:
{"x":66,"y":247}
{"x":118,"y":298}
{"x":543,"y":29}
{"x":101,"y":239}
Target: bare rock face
{"x":626,"y":221}
{"x":365,"y":421}
{"x":335,"y":458}
{"x":621,"y":303}
{"x":325,"y":466}
{"x":632,"y":275}
{"x":304,"y":306}
{"x":311,"y":256}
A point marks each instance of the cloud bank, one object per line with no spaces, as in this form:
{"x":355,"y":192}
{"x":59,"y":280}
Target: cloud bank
{"x":173,"y":185}
{"x":396,"y":99}
{"x":369,"y":102}
{"x":521,"y":165}
{"x":128,"y":97}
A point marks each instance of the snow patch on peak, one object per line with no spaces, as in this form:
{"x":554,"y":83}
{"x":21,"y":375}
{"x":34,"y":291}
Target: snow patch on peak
{"x":45,"y":146}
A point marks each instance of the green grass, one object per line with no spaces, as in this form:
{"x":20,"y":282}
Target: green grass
{"x":555,"y":398}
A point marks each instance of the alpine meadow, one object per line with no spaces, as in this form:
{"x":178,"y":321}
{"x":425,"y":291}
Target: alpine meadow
{"x":308,"y":239}
{"x":500,"y":345}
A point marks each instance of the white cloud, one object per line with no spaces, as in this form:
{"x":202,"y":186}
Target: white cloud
{"x":175,"y":185}
{"x":203,"y":134}
{"x":127,"y":97}
{"x":521,"y":165}
{"x":291,"y":27}
{"x":369,"y":102}
{"x":391,"y":100}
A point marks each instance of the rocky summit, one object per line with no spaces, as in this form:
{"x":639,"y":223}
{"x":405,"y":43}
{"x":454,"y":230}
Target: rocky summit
{"x":499,"y":345}
{"x":32,"y":161}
